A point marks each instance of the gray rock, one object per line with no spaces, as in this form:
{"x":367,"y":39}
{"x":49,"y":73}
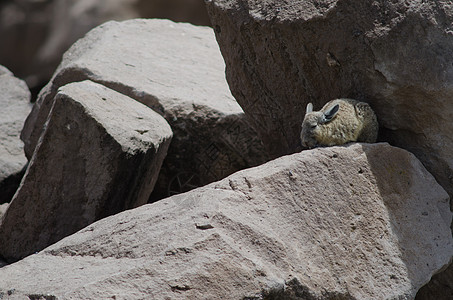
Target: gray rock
{"x":15,"y":106}
{"x":365,"y":221}
{"x":177,"y":70}
{"x":100,"y":154}
{"x":395,"y":55}
{"x":35,"y":34}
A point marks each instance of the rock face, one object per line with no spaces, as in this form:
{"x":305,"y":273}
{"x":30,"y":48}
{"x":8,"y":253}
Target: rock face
{"x":100,"y":154}
{"x":3,"y":208}
{"x":15,"y":106}
{"x":395,"y":55}
{"x":35,"y":34}
{"x":177,"y":70}
{"x":366,"y":221}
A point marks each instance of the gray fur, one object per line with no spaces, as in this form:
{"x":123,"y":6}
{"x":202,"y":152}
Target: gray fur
{"x":340,"y":121}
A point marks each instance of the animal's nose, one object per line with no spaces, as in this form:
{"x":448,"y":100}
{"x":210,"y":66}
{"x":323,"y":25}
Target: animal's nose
{"x":305,"y":145}
{"x":308,"y":144}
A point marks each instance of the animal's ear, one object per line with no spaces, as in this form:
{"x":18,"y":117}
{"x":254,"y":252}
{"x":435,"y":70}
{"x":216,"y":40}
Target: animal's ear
{"x":330,"y":113}
{"x":309,"y":108}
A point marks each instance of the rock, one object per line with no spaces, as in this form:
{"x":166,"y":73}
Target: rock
{"x":3,"y":208}
{"x":15,"y":106}
{"x":177,"y":70}
{"x":395,"y":55}
{"x":365,"y":221}
{"x":35,"y":34}
{"x":100,"y":154}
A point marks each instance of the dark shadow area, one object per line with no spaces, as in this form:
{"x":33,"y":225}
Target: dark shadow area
{"x":205,"y":151}
{"x":34,"y":90}
{"x":190,"y":11}
{"x":9,"y":185}
{"x":439,"y":287}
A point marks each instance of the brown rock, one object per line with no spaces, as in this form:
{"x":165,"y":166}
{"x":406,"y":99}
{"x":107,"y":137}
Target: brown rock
{"x":14,"y":107}
{"x":365,"y":221}
{"x":395,"y":55}
{"x":177,"y":70}
{"x":100,"y":154}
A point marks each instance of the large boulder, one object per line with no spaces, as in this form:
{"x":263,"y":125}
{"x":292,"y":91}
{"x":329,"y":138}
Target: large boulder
{"x":395,"y":55}
{"x":365,"y":221}
{"x":177,"y":70}
{"x":35,"y":34}
{"x":100,"y":154}
{"x":15,"y":106}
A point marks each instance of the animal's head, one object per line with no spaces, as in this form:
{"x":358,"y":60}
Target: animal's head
{"x":313,"y":123}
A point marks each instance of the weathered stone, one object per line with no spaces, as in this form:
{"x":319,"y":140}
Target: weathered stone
{"x":35,"y":34}
{"x":365,"y":221}
{"x":15,"y":106}
{"x":395,"y":55}
{"x":177,"y":70}
{"x":100,"y":154}
{"x":3,"y":208}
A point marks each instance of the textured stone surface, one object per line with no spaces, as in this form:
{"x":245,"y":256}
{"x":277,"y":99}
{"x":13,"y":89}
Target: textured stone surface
{"x":365,"y":221}
{"x":177,"y":70}
{"x":100,"y":154}
{"x":395,"y":55}
{"x":3,"y":208}
{"x":35,"y":34}
{"x":14,"y":107}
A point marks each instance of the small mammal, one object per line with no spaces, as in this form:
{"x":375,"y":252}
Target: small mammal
{"x":340,"y":121}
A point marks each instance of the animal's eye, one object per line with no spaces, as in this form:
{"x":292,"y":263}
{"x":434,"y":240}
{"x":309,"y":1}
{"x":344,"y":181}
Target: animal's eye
{"x":314,"y":126}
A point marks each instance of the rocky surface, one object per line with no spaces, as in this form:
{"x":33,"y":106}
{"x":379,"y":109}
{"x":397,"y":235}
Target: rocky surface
{"x":177,"y":70}
{"x":100,"y":154}
{"x":365,"y":221}
{"x":15,"y":106}
{"x":3,"y":208}
{"x":395,"y":55}
{"x":35,"y":34}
